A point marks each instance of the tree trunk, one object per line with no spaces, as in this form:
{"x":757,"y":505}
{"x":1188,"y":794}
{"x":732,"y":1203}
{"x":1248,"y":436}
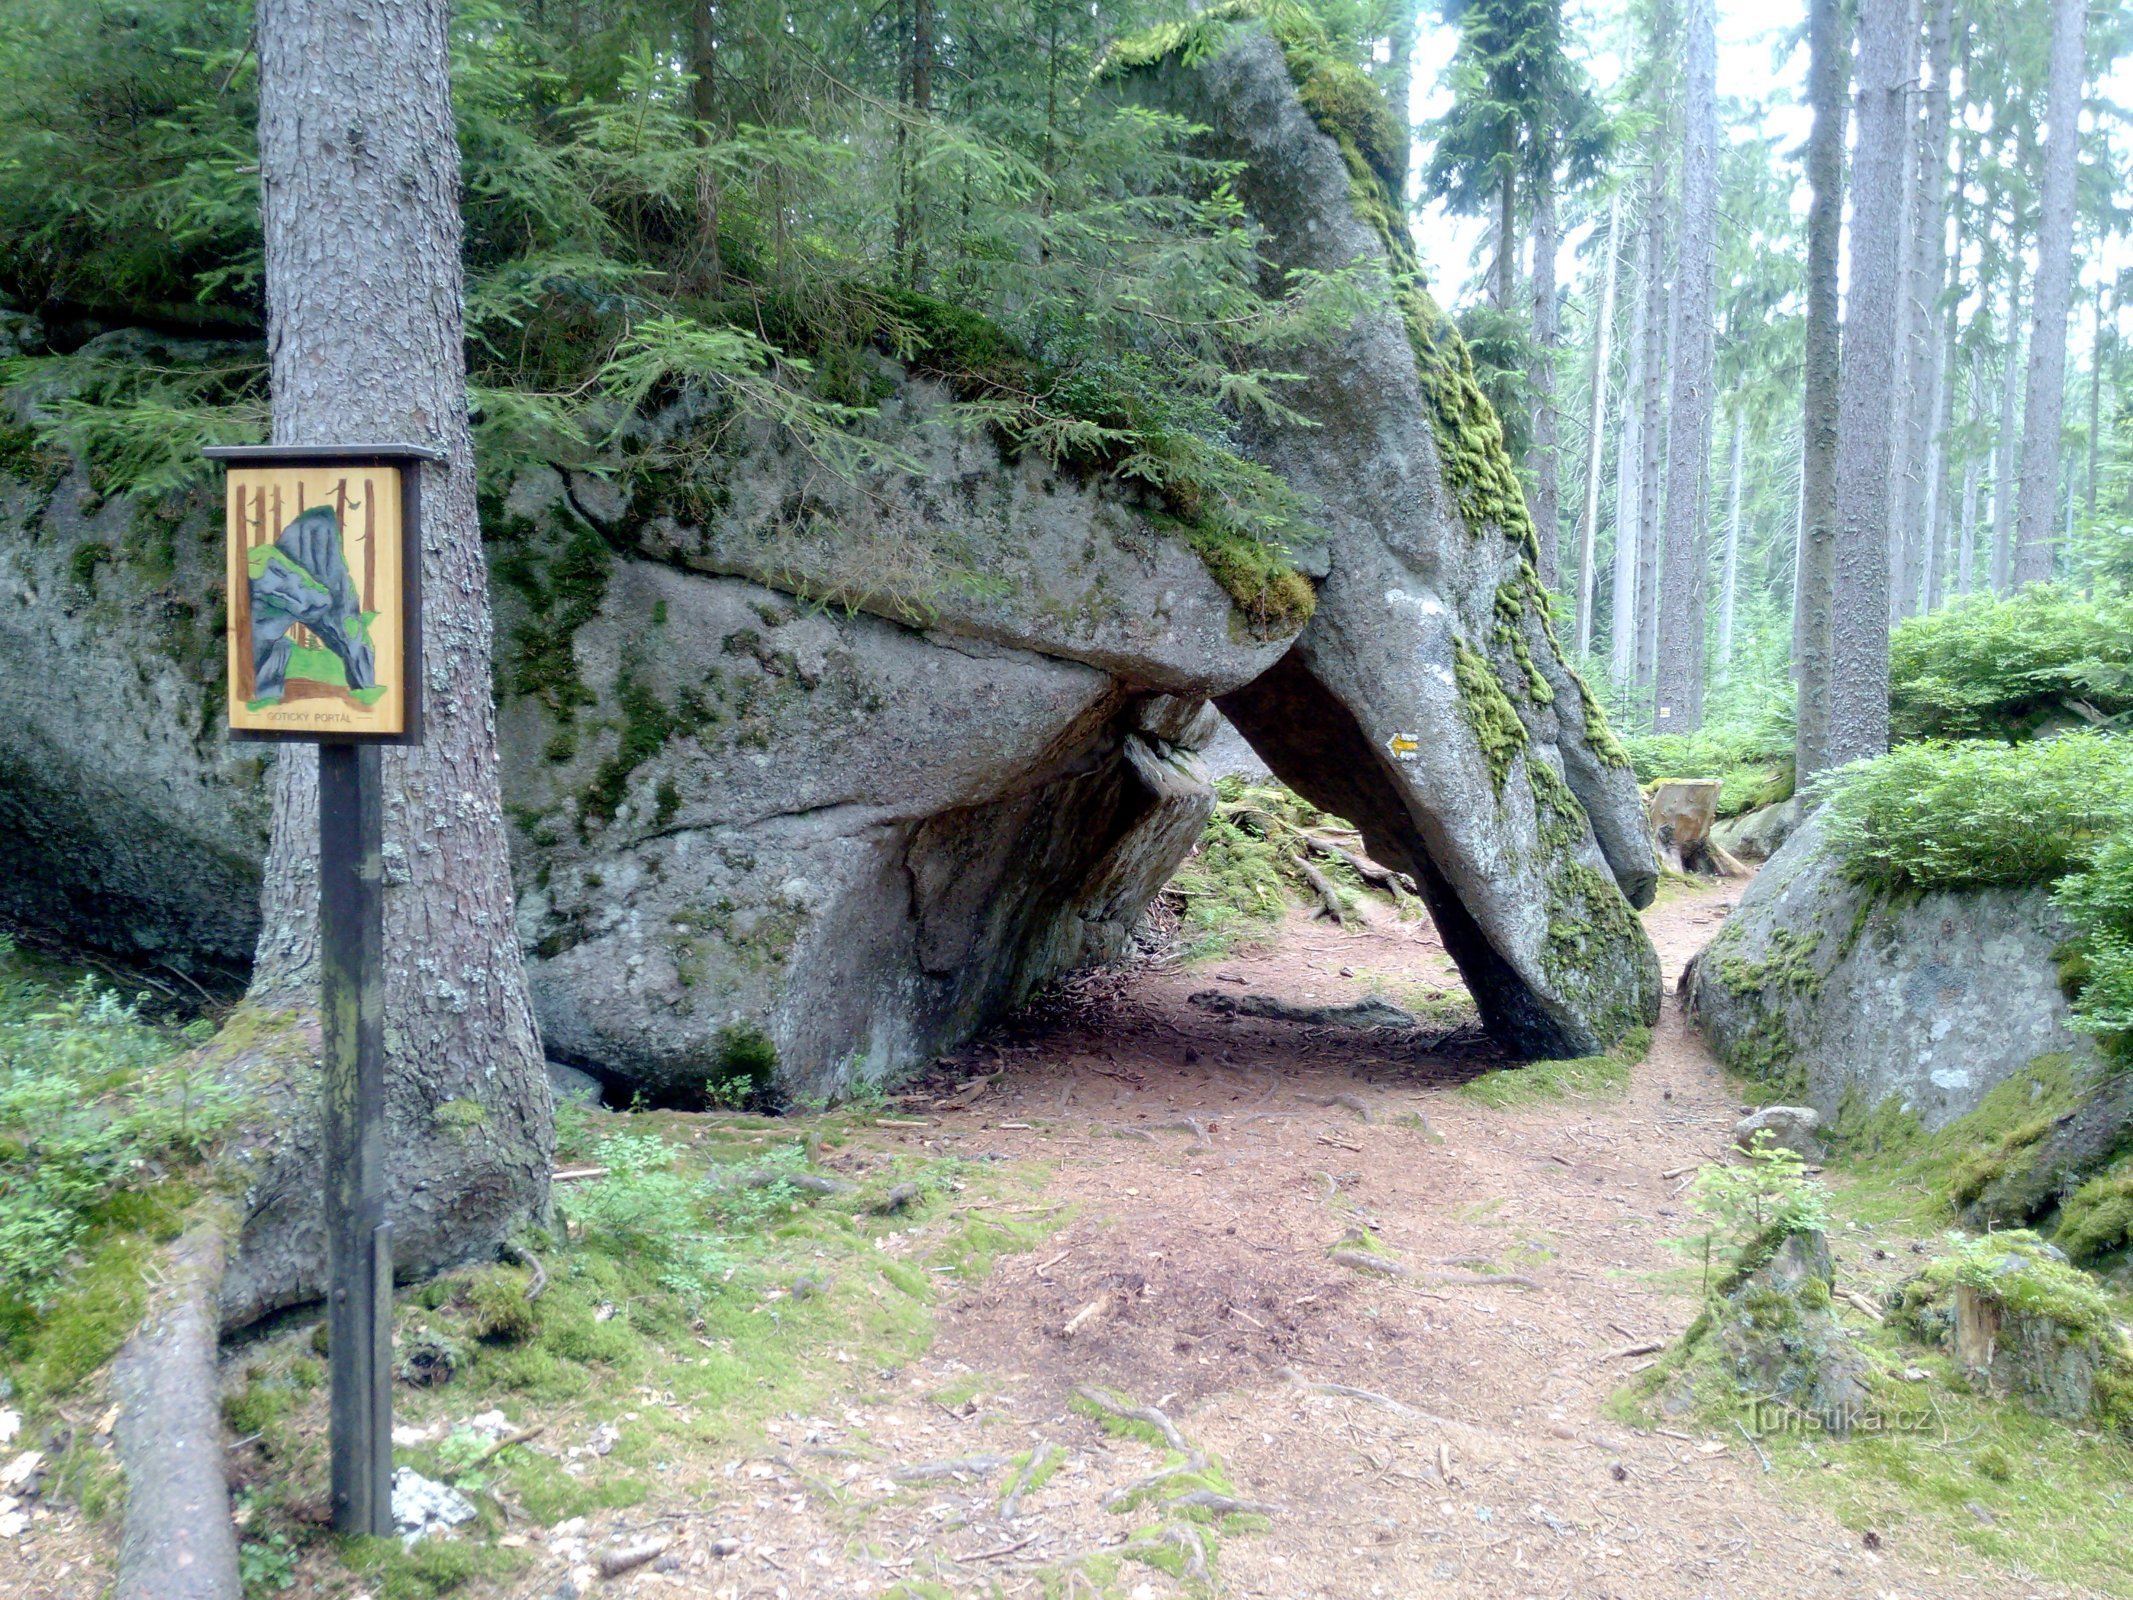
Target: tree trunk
{"x":1589,"y":517}
{"x":2103,"y":294}
{"x":709,"y":266}
{"x":362,"y":234}
{"x":2039,"y":487}
{"x":1937,"y":446}
{"x":1629,"y":479}
{"x":1815,"y":571}
{"x":1547,"y":493}
{"x":1925,"y":277}
{"x":1966,"y":534}
{"x":1507,"y":235}
{"x":1859,"y":629}
{"x":1678,"y":706}
{"x":1651,"y":435}
{"x":2003,"y":453}
{"x":1730,"y":583}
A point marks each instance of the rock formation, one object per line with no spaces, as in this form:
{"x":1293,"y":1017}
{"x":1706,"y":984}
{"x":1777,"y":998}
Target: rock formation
{"x":1839,"y":997}
{"x":828,"y":770}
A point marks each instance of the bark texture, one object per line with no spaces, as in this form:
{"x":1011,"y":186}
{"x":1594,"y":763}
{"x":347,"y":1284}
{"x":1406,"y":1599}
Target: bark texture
{"x":1925,"y":277}
{"x":1596,"y":432}
{"x":360,"y":173}
{"x":1729,"y":584}
{"x":1547,"y":491}
{"x":1859,"y":631}
{"x":1812,"y":585}
{"x":1629,"y":479}
{"x":2045,"y":397}
{"x":1651,"y":431}
{"x":1678,"y":707}
{"x":2005,"y":436}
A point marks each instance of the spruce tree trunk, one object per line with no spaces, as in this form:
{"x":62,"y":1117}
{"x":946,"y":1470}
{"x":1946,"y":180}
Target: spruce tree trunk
{"x":2095,"y":400}
{"x":1651,"y":434}
{"x":1729,"y":584}
{"x":1596,"y":433}
{"x":2003,"y":454}
{"x":1629,"y":481}
{"x":2045,"y":397}
{"x":1547,"y":493}
{"x":709,"y":265}
{"x":359,"y":167}
{"x":1966,"y":535}
{"x":1507,"y":236}
{"x":1814,"y":574}
{"x":1937,"y":457}
{"x":1859,"y":626}
{"x":1925,"y":278}
{"x":1678,"y":706}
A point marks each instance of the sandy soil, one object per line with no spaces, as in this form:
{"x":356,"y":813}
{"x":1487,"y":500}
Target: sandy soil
{"x":1208,"y":1165}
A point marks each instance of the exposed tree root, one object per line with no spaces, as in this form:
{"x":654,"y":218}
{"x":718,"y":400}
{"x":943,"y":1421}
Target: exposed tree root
{"x":961,"y":1466}
{"x":538,"y":1282}
{"x":1012,"y":1505}
{"x":1148,"y":1414}
{"x":1329,"y":899}
{"x":1221,"y":1504}
{"x":178,"y":1542}
{"x":1364,"y":1261}
{"x":1345,"y":1392}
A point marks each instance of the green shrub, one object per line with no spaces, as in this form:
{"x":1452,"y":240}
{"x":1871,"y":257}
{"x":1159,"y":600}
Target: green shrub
{"x":95,"y":1103}
{"x":1992,"y":668}
{"x":2099,"y":901}
{"x":1954,"y":816}
{"x":2097,"y":1218}
{"x":642,"y":1201}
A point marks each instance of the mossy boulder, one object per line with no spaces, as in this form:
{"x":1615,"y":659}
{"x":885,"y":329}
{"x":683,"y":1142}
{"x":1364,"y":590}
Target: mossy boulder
{"x":1427,"y":699}
{"x":1768,"y":1334}
{"x":1833,"y":994}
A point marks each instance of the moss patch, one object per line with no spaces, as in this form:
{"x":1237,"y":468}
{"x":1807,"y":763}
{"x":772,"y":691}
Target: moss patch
{"x":1488,"y":711}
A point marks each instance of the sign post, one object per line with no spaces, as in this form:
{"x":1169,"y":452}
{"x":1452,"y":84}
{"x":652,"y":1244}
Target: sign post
{"x":324,"y":638}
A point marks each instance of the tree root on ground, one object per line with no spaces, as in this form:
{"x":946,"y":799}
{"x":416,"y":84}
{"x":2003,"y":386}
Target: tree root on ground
{"x":179,"y":1542}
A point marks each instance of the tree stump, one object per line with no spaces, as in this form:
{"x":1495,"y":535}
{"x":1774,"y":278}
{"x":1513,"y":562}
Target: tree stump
{"x":1682,"y":812}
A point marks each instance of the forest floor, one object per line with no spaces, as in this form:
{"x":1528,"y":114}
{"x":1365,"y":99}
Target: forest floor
{"x":1170,"y":1191}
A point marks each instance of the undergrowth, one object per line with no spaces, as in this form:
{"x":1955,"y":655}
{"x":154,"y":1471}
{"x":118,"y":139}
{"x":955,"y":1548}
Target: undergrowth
{"x":1751,"y":760}
{"x":1992,"y":668}
{"x":102,"y":1124}
{"x":704,"y":1284}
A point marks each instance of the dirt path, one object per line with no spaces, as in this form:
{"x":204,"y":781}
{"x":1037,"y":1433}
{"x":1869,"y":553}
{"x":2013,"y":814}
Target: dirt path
{"x":1209,"y":1168}
{"x":1203,"y":1172}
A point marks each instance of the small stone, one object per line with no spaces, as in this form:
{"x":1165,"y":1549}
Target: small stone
{"x":1789,"y":1128}
{"x":422,"y":1506}
{"x":724,"y":1547}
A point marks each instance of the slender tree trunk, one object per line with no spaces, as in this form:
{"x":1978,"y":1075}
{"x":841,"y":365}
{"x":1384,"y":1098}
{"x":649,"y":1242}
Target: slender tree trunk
{"x":1679,"y":703}
{"x":1507,"y":236}
{"x":1859,"y":631}
{"x":2003,"y":457}
{"x":1651,"y":436}
{"x":1399,"y":73}
{"x":2046,"y":396}
{"x":364,"y":285}
{"x":1937,"y":453}
{"x":2103,"y":294}
{"x":1966,"y":534}
{"x":1730,"y":583}
{"x":1814,"y":577}
{"x":1547,"y":490}
{"x":1629,"y":479}
{"x":1925,"y":277}
{"x":1589,"y":517}
{"x":709,"y":266}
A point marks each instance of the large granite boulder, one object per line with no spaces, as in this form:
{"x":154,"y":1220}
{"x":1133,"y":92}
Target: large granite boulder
{"x":1835,"y":995}
{"x":829,"y":769}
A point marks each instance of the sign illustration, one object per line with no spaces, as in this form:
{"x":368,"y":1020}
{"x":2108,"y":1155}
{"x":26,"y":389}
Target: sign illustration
{"x":317,"y":609}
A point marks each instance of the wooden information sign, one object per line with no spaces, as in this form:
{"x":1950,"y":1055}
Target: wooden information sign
{"x":325,"y":647}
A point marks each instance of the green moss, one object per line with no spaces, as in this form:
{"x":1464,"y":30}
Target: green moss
{"x":26,"y":460}
{"x":1512,"y":598}
{"x":1488,"y":711}
{"x":2097,"y":1218}
{"x":83,"y":564}
{"x":1343,"y":101}
{"x":562,"y":590}
{"x":497,"y":1305}
{"x":1274,"y":599}
{"x":1588,"y":1077}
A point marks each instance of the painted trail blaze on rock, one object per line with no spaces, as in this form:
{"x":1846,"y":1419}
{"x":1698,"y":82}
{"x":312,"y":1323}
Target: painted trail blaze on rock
{"x":1427,"y":699}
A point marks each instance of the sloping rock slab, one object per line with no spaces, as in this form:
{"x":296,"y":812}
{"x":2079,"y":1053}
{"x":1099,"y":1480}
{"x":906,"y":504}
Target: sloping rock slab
{"x":1427,"y":700}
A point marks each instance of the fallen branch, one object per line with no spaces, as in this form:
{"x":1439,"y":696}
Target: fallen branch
{"x":631,"y":1557}
{"x":504,"y":1441}
{"x":1329,"y":899}
{"x":178,"y":1542}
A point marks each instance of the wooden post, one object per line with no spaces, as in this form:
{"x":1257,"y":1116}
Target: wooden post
{"x":358,"y":1238}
